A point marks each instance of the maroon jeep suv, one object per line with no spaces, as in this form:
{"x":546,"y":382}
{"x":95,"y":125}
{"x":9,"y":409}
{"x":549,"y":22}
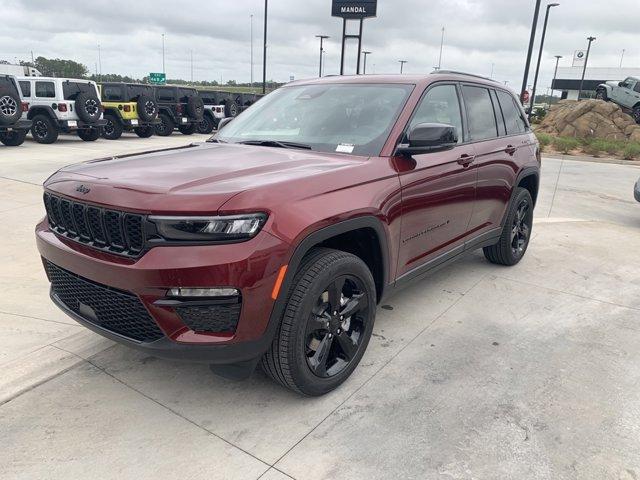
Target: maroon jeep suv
{"x":273,"y":242}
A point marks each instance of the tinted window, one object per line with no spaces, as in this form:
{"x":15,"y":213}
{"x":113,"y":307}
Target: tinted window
{"x":26,"y":89}
{"x":185,"y":93}
{"x":71,"y":90}
{"x":112,"y":93}
{"x":440,"y":105}
{"x":637,"y":89}
{"x":482,"y":120}
{"x":512,"y":114}
{"x":135,"y":91}
{"x":45,"y":90}
{"x":502,"y":130}
{"x":165,"y":94}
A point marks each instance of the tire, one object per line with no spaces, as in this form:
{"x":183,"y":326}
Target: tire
{"x":602,"y":95}
{"x":206,"y":126}
{"x":636,"y":113}
{"x":295,"y":358}
{"x":188,"y":129}
{"x":113,"y":129}
{"x":516,"y":232}
{"x":10,"y":106}
{"x":147,"y":108}
{"x":144,"y":132}
{"x":44,"y":130}
{"x":195,"y":107}
{"x":89,"y":134}
{"x":231,"y":109}
{"x":166,"y":125}
{"x":13,"y":138}
{"x":88,"y":107}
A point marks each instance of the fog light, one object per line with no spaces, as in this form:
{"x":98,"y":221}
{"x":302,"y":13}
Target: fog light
{"x":203,"y":292}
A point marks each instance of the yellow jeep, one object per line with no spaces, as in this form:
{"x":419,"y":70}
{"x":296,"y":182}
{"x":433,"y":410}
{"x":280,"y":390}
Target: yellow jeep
{"x":128,"y":107}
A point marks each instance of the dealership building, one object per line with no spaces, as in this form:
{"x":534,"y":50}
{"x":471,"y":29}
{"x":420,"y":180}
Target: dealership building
{"x":568,"y":79}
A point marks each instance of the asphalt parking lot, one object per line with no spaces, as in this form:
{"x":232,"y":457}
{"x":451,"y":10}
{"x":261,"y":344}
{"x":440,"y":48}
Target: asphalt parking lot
{"x":478,"y":372}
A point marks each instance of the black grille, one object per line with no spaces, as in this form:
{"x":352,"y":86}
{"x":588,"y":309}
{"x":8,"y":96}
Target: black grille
{"x":114,"y":310}
{"x":110,"y":230}
{"x":211,"y":318}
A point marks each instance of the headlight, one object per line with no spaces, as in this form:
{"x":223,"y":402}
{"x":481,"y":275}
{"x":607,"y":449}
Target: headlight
{"x":212,"y":229}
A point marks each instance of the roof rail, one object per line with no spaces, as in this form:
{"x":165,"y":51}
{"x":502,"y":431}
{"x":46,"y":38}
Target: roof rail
{"x":454,"y":72}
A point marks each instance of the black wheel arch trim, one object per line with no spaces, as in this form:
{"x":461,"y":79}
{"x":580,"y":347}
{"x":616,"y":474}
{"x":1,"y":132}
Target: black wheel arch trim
{"x":41,"y":109}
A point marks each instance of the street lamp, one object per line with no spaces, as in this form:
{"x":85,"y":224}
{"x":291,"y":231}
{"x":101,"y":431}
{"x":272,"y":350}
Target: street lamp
{"x":251,"y":35}
{"x":364,"y":69}
{"x":584,"y":70}
{"x":535,"y":78}
{"x":322,"y":39}
{"x":402,"y":62}
{"x":555,"y":72}
{"x":530,"y":51}
{"x":163,"y":69}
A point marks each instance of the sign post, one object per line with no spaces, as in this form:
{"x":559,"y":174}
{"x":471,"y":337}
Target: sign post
{"x":157,"y":78}
{"x":353,"y":10}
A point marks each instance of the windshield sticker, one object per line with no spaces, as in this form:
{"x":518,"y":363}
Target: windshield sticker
{"x":345,"y":148}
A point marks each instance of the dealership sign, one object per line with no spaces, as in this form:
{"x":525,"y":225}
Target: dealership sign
{"x":578,"y":58}
{"x":354,"y":9}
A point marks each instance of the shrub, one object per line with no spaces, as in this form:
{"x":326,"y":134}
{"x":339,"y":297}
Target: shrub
{"x":596,"y":147}
{"x":565,"y":144}
{"x":544,"y":139}
{"x":631,"y":151}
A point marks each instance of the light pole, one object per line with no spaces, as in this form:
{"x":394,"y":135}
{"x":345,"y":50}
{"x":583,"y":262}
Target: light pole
{"x":163,"y":69}
{"x":264,"y":53}
{"x":191,"y":54}
{"x":322,"y":39}
{"x":622,"y":57}
{"x":251,"y":21}
{"x":530,"y":51}
{"x":99,"y":62}
{"x":535,"y":78}
{"x":364,"y":68}
{"x":441,"y":46}
{"x":402,"y":62}
{"x":584,"y":70}
{"x":493,"y":66}
{"x":555,"y":72}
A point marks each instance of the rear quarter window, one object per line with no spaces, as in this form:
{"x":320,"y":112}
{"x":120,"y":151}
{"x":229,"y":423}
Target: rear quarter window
{"x":185,"y":93}
{"x":112,"y":93}
{"x":512,"y":115}
{"x":45,"y":90}
{"x":25,"y":88}
{"x":165,"y":94}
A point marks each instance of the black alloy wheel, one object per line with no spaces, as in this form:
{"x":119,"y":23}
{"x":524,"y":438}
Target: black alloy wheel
{"x":520,"y":229}
{"x":636,"y":113}
{"x":43,"y":129}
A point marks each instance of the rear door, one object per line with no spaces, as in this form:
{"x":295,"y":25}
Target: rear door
{"x":438,"y":189}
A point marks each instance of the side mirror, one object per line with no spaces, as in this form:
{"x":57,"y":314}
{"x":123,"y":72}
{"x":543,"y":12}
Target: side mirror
{"x":225,"y":121}
{"x":429,"y":137}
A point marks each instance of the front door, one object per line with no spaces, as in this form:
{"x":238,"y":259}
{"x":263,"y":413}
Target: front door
{"x":438,"y":189}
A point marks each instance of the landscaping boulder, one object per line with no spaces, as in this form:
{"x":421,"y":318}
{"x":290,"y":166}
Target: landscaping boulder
{"x":590,"y":119}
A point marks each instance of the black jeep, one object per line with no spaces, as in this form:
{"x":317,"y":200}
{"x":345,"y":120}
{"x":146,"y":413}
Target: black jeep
{"x":179,"y":107}
{"x":13,"y":129}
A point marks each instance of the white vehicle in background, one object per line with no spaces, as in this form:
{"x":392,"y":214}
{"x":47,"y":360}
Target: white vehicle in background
{"x":13,"y":128}
{"x":625,"y":93}
{"x":62,"y":105}
{"x":19,"y":70}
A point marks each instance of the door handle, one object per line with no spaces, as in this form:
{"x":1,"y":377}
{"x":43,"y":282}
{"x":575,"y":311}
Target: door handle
{"x":466,"y":160}
{"x":511,"y":150}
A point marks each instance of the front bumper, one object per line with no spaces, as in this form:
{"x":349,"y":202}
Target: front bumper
{"x":251,"y":267}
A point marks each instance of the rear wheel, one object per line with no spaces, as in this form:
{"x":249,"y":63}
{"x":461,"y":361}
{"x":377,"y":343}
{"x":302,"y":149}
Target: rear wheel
{"x":44,"y":129}
{"x":89,"y":134}
{"x":326,"y":325}
{"x":13,"y":138}
{"x":188,"y":129}
{"x":516,"y":232}
{"x":166,"y":125}
{"x":144,"y":132}
{"x":113,"y":129}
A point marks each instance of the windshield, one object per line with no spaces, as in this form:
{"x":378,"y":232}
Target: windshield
{"x":345,"y":118}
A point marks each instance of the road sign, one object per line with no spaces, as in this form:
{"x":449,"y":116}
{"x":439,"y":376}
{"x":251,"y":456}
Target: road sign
{"x":354,"y":9}
{"x":157,"y":78}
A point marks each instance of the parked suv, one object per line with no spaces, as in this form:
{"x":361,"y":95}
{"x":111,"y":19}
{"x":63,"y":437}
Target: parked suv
{"x":274,"y":242}
{"x":179,"y":107}
{"x":219,"y":105}
{"x":625,"y":93}
{"x":13,"y":129}
{"x":62,"y":105}
{"x":128,"y":107}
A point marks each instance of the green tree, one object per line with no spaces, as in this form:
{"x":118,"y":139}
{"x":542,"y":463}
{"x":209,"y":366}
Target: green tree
{"x":57,"y":67}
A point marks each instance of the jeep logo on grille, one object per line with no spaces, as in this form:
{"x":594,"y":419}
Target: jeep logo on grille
{"x":82,"y":189}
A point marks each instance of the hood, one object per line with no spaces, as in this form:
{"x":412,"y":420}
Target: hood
{"x":612,"y":83}
{"x":198,"y":178}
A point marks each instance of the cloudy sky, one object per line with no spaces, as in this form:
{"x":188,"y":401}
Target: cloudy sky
{"x":478,"y":33}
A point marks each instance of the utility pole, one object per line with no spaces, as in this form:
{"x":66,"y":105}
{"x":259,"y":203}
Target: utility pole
{"x":322,"y":39}
{"x":364,"y":69}
{"x":163,"y":69}
{"x":441,"y":47}
{"x":402,"y":62}
{"x":621,"y":58}
{"x":493,"y":65}
{"x":264,"y":53}
{"x":251,"y":20}
{"x":535,"y":78}
{"x":530,"y":51}
{"x":33,"y":62}
{"x":555,"y":72}
{"x":584,"y":70}
{"x":191,"y":52}
{"x":99,"y":63}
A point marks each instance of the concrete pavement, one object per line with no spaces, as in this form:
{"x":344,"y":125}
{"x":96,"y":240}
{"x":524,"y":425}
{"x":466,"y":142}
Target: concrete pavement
{"x":478,"y":372}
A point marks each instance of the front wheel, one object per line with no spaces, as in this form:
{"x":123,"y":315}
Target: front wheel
{"x":516,"y":232}
{"x":144,"y":132}
{"x":327,"y":323}
{"x":89,"y":134}
{"x":602,"y":95}
{"x":13,"y":138}
{"x":188,"y":129}
{"x":636,"y":113}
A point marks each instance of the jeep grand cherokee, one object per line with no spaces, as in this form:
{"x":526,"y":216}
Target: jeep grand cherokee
{"x":274,"y":242}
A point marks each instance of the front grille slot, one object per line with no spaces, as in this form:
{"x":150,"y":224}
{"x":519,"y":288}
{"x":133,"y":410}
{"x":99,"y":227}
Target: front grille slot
{"x":109,"y":230}
{"x":113,"y":310}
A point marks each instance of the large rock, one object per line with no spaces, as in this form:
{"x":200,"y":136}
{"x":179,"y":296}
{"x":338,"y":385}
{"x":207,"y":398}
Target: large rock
{"x":590,"y":119}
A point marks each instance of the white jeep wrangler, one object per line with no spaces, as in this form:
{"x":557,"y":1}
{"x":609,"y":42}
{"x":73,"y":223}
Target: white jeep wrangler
{"x":62,"y":105}
{"x":625,"y":93}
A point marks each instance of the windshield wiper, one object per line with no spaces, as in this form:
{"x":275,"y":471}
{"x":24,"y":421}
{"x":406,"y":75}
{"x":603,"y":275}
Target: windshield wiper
{"x":276,"y":143}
